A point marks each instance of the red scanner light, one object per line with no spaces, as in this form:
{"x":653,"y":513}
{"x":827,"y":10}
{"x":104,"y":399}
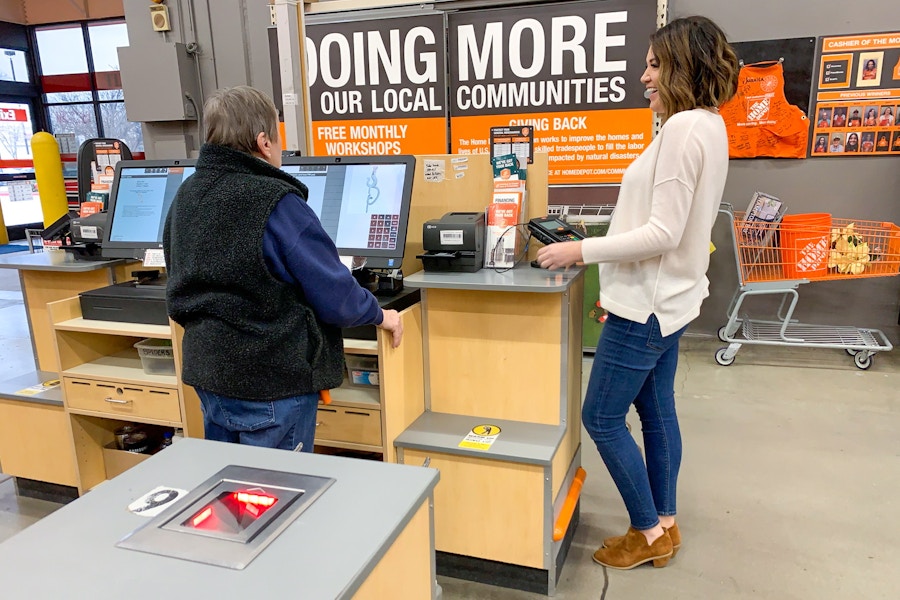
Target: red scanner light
{"x":202,"y":516}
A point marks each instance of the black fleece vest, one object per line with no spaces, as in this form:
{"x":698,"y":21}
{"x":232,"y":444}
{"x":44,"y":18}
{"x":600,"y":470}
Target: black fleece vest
{"x":246,"y":334}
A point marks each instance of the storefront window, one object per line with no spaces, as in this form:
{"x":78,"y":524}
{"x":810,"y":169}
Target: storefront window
{"x":84,"y":97}
{"x":13,"y":66}
{"x":78,"y":119}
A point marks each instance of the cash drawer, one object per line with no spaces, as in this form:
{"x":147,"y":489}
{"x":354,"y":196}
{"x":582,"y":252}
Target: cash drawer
{"x":123,"y":400}
{"x":354,"y":425}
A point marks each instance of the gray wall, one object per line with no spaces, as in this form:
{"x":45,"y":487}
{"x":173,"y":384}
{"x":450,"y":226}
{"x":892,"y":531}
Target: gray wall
{"x":859,"y":188}
{"x":233,"y":49}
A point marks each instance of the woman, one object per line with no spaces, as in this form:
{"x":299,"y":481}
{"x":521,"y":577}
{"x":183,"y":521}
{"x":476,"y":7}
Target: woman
{"x":871,"y":70}
{"x":887,"y":117}
{"x":657,"y":253}
{"x":852,"y":143}
{"x":821,"y":145}
{"x":871,"y":118}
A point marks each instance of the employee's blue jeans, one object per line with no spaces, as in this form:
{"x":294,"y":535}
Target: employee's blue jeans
{"x":635,"y":364}
{"x":273,"y":424}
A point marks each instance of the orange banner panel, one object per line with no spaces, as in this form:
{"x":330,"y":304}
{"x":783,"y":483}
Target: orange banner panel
{"x":380,"y":137}
{"x":861,"y":42}
{"x":583,"y":147}
{"x":874,"y":95}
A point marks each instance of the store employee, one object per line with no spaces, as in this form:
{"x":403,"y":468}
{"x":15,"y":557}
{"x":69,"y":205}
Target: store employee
{"x":257,"y":283}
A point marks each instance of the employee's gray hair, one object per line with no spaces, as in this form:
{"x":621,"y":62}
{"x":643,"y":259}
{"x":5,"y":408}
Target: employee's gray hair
{"x":235,"y":116}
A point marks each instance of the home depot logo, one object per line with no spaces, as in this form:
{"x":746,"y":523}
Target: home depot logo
{"x":759,"y":110}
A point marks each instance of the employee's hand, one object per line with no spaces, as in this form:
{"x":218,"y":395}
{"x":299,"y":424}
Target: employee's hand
{"x":560,"y":255}
{"x":390,"y":321}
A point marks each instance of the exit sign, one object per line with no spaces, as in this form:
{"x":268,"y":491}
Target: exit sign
{"x":13,"y":114}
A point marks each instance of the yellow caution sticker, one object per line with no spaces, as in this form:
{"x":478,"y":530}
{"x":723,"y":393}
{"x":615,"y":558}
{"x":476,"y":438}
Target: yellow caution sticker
{"x":481,"y":437}
{"x":39,"y":388}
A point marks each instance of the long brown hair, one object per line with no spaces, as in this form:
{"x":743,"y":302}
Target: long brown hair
{"x":697,"y":66}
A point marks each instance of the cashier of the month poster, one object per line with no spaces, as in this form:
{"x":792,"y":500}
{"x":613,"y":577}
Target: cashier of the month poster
{"x":857,"y":100}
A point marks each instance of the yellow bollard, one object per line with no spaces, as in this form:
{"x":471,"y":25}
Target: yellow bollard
{"x":49,"y":175}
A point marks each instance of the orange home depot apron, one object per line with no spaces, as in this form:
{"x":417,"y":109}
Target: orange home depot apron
{"x":759,"y":120}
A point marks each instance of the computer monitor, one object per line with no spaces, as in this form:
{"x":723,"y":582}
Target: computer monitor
{"x":362,"y":201}
{"x":142,"y":192}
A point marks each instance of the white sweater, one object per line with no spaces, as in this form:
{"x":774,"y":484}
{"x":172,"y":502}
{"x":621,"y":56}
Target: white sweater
{"x":657,"y":247}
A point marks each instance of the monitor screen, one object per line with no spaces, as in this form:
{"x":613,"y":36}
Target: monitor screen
{"x":362,"y":201}
{"x":142,"y":192}
{"x":19,"y":198}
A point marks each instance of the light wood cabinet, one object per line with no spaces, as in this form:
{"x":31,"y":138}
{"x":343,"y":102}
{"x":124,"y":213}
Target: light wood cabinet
{"x":105,"y":385}
{"x":502,"y":354}
{"x":369,"y":417}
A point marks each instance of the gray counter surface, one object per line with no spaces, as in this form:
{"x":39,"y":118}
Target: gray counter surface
{"x":326,"y":553}
{"x":523,"y":278}
{"x":10,"y":388}
{"x":55,"y":260}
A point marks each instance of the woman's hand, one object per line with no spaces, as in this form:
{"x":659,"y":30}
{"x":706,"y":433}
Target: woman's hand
{"x":560,"y":255}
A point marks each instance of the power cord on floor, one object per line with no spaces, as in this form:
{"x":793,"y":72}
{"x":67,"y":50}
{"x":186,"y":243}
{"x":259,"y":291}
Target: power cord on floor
{"x":605,"y":584}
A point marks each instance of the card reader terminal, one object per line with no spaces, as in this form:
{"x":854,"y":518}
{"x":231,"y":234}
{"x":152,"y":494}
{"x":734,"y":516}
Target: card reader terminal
{"x":548,"y":230}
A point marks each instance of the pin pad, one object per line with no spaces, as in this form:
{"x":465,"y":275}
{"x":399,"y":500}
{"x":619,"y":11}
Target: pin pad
{"x":548,"y":230}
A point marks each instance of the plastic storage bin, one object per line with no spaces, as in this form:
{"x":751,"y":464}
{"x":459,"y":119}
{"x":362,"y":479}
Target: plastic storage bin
{"x":362,"y":370}
{"x":156,"y":356}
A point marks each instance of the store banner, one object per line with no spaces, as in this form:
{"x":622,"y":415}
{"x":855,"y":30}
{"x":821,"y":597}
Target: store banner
{"x":571,"y":71}
{"x":857,"y":96}
{"x":378,"y":87}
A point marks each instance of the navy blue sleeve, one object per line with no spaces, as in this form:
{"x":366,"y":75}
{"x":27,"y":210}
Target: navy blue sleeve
{"x":299,"y":252}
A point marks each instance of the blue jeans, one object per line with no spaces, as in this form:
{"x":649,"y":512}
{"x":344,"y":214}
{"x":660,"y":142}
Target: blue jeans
{"x":635,"y":364}
{"x":269,"y":423}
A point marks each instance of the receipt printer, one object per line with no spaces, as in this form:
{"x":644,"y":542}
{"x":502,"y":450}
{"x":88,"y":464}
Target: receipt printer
{"x":455,"y":242}
{"x":89,"y":229}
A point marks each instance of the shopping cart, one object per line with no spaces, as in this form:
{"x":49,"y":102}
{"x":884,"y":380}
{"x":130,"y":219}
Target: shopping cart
{"x":777,"y":257}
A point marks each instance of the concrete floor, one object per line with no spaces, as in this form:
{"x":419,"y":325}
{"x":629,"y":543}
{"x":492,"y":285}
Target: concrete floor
{"x":788,"y":487}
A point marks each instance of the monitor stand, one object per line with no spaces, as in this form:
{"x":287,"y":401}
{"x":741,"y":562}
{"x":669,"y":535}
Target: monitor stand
{"x":380,"y":282}
{"x":148,"y":278}
{"x":86,"y":252}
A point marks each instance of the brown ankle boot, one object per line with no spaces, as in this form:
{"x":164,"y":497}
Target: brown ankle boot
{"x":634,"y":551}
{"x":673,"y":533}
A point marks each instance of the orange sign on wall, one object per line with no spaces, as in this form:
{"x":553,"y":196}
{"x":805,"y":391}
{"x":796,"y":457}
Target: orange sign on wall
{"x":377,"y":87}
{"x":595,"y":146}
{"x":379,"y":137}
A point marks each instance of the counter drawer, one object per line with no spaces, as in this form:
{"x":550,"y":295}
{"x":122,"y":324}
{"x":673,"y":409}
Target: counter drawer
{"x":354,"y":425}
{"x":123,"y":400}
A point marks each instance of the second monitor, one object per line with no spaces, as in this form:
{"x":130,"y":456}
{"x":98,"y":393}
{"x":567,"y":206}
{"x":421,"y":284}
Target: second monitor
{"x":362,"y":201}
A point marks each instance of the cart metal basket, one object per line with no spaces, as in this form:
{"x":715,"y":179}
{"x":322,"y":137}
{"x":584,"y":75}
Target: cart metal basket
{"x":777,"y":257}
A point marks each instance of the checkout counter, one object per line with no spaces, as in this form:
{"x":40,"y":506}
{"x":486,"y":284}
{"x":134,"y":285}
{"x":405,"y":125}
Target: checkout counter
{"x":367,"y":535}
{"x":35,"y":442}
{"x":502,"y":360}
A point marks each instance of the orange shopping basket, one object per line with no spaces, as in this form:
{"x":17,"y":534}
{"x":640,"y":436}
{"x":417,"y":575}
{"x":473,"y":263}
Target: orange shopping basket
{"x":816,"y":247}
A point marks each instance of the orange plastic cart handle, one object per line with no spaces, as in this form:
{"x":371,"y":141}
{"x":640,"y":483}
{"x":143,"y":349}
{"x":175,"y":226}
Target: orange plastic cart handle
{"x":568,"y":509}
{"x":325,"y":396}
